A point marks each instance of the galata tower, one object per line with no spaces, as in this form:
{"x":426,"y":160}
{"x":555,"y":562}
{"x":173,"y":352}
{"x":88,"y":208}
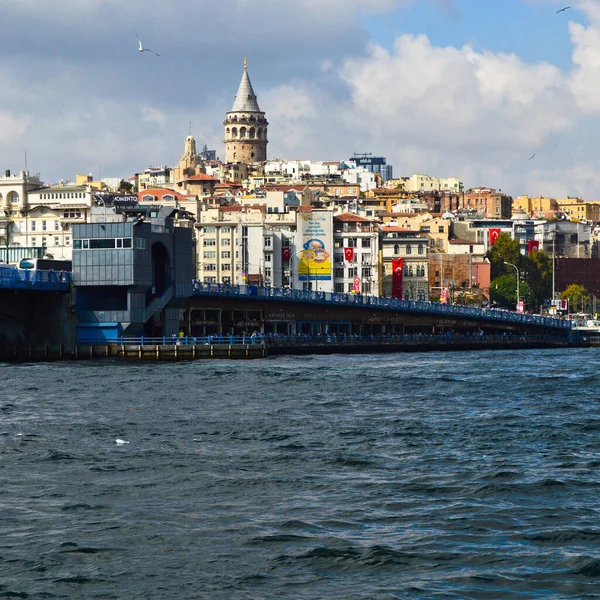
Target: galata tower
{"x":245,"y":126}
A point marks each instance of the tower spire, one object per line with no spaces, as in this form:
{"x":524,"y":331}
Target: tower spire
{"x":245,"y":62}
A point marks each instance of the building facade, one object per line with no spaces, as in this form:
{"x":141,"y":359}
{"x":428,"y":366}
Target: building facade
{"x":245,"y":126}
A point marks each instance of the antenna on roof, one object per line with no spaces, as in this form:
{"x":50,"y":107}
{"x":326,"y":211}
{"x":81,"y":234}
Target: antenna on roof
{"x":245,"y":63}
{"x":25,"y":160}
{"x":190,"y":128}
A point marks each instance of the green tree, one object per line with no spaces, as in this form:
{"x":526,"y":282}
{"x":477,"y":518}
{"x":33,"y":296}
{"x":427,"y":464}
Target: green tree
{"x":125,"y":187}
{"x":503,"y":291}
{"x":504,"y":250}
{"x":537,"y":272}
{"x":577,"y":297}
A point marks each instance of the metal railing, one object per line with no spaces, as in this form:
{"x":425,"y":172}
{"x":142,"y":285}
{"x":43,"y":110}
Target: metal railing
{"x":448,"y":310}
{"x":14,"y":278}
{"x":319,"y":340}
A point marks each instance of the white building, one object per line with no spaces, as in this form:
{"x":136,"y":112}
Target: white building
{"x":420,"y":182}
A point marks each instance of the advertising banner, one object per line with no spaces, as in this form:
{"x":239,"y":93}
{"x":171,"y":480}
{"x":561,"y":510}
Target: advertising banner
{"x":316,"y":238}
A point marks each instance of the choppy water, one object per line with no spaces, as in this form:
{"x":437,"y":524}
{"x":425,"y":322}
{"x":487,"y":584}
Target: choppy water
{"x":442,"y":475}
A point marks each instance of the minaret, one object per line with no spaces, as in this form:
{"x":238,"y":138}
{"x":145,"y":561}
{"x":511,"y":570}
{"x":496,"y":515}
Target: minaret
{"x":245,"y":126}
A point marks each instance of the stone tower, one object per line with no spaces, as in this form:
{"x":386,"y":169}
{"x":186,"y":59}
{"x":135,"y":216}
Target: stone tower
{"x":245,"y":126}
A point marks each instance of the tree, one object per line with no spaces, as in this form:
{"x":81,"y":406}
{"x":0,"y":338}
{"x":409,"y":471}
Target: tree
{"x":537,"y":271}
{"x":505,"y":249}
{"x":577,"y":297}
{"x":503,"y":291}
{"x":125,"y":186}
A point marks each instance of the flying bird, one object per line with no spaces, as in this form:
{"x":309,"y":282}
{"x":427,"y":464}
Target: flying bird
{"x":532,"y":156}
{"x":563,"y":9}
{"x":142,"y":49}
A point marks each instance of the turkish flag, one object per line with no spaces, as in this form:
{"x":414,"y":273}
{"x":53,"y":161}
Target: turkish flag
{"x":349,"y":253}
{"x":357,"y":285}
{"x":397,"y":266}
{"x":494,"y":234}
{"x":532,"y":245}
{"x":286,"y":253}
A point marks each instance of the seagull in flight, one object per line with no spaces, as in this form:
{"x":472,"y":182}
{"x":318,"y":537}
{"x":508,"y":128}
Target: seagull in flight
{"x":532,"y":156}
{"x":563,"y":9}
{"x":142,"y":49}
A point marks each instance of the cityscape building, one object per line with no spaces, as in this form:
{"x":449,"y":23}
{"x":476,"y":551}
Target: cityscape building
{"x":245,"y":126}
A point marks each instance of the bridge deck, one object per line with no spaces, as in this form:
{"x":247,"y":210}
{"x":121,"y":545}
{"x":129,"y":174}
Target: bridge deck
{"x":30,"y":279}
{"x":379,"y":302}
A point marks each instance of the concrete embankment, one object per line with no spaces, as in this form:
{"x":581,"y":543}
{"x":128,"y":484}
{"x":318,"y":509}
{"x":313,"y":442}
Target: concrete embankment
{"x":177,"y":352}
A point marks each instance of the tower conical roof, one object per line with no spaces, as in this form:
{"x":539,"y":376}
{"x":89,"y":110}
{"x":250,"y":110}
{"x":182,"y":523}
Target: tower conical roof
{"x":245,"y":99}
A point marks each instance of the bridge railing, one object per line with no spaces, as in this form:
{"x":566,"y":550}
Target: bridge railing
{"x":224,"y":289}
{"x":34,"y":279}
{"x":315,"y":340}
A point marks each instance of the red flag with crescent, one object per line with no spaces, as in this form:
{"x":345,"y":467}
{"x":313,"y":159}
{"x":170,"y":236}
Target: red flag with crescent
{"x":286,"y":253}
{"x":349,"y":254}
{"x":397,"y":266}
{"x":494,"y":234}
{"x":532,"y":245}
{"x":357,"y":285}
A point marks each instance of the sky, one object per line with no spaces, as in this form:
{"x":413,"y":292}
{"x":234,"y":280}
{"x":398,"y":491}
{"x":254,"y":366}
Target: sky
{"x":451,"y":88}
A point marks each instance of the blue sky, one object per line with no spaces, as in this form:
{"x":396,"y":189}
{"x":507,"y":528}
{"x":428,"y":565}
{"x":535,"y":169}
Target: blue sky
{"x":534,"y":31}
{"x":461,"y":88}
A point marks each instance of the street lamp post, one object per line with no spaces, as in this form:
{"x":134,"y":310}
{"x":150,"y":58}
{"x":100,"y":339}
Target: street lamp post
{"x":517,"y":270}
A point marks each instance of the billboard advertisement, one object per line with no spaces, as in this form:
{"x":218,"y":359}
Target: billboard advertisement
{"x":315,"y":232}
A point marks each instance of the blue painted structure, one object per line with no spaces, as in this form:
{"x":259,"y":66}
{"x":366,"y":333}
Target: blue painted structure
{"x":392,"y":304}
{"x":29,"y":279}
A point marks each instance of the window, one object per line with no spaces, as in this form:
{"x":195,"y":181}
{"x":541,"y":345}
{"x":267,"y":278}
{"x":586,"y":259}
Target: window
{"x":338,"y":273}
{"x":226,"y":229}
{"x":56,"y":241}
{"x":43,"y":225}
{"x":209,"y":229}
{"x":72,"y":214}
{"x":420,"y":250}
{"x":268,"y":242}
{"x":102,"y":244}
{"x":140,"y":243}
{"x":226,"y":254}
{"x":226,"y":242}
{"x":210,"y":267}
{"x":33,"y":242}
{"x":441,"y":229}
{"x":396,"y":249}
{"x":408,"y":249}
{"x":32,"y":225}
{"x":268,"y":272}
{"x":366,"y":272}
{"x":210,"y":242}
{"x":268,"y":258}
{"x":209,"y":254}
{"x":366,"y":243}
{"x":353,"y":272}
{"x":56,"y":225}
{"x":67,"y":241}
{"x":226,"y":267}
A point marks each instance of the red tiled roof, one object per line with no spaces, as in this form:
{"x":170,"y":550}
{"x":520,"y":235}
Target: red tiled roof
{"x":158,"y":193}
{"x":397,"y":230}
{"x":202,"y":177}
{"x":351,"y":218}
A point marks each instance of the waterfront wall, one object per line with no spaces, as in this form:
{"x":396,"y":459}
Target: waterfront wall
{"x":36,"y":324}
